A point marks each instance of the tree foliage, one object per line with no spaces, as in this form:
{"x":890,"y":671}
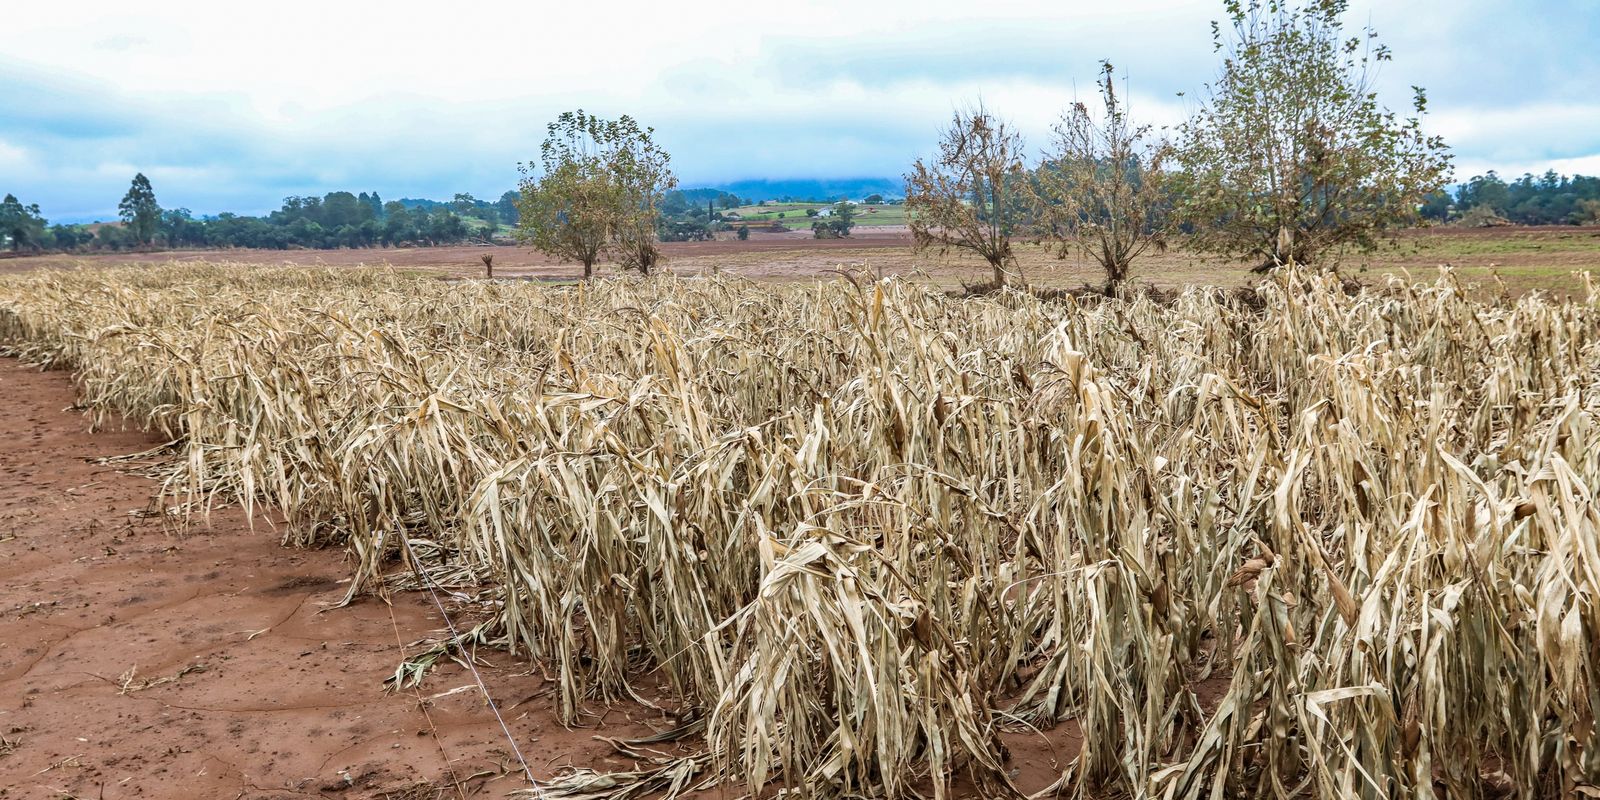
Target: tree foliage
{"x":22,"y":224}
{"x":971,"y":195}
{"x":840,"y":221}
{"x":599,"y":190}
{"x":1291,"y":155}
{"x":139,"y":210}
{"x":1549,"y":199}
{"x":644,"y":172}
{"x":1102,"y":189}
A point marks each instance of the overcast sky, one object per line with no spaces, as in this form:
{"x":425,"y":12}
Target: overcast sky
{"x":232,"y":107}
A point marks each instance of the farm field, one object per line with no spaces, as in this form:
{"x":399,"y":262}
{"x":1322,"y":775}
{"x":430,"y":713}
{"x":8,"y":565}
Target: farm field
{"x":856,"y":537}
{"x":1523,"y":258}
{"x":795,"y":219}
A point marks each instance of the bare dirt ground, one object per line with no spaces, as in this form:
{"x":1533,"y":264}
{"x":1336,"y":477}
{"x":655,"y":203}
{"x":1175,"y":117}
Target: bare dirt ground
{"x":1524,"y":258}
{"x":140,"y":662}
{"x":467,"y":259}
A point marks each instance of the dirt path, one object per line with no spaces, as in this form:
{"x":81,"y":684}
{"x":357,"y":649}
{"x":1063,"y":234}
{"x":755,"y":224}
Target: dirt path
{"x":257,"y":691}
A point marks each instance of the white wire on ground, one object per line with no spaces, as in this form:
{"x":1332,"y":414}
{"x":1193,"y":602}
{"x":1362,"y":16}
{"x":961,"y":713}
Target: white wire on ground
{"x":482,"y":687}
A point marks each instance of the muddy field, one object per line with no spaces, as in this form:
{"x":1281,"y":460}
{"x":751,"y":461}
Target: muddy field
{"x":1523,"y":258}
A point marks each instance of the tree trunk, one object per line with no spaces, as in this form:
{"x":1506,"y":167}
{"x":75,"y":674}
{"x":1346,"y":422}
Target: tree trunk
{"x":999,"y":273}
{"x":588,"y":268}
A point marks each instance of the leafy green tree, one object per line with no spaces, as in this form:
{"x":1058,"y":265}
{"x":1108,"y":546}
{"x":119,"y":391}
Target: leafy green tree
{"x":873,"y":200}
{"x":180,"y":229}
{"x":140,"y":211}
{"x":1290,"y":156}
{"x":343,"y":208}
{"x":1436,"y":206}
{"x":1587,"y":213}
{"x":840,"y":221}
{"x":683,"y":230}
{"x":446,"y":226}
{"x":1486,"y":190}
{"x":1549,"y":199}
{"x":744,"y":232}
{"x":1102,"y":191}
{"x":643,"y":171}
{"x":570,"y":211}
{"x":113,"y":237}
{"x":308,"y":232}
{"x":69,"y":237}
{"x":600,"y":191}
{"x":844,"y":216}
{"x":506,"y":207}
{"x":968,"y":197}
{"x":397,"y":223}
{"x":22,"y":224}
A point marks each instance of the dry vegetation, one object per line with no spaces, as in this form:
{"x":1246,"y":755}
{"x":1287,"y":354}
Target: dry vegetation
{"x":1299,"y":541}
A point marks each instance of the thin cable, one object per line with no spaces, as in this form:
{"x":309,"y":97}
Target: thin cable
{"x":482,"y":687}
{"x":422,"y":705}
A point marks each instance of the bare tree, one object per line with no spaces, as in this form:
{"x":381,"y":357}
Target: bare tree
{"x":972,"y":196}
{"x":1101,"y":190}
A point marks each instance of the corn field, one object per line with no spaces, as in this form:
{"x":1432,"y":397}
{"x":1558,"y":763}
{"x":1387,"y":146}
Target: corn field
{"x":1301,"y":541}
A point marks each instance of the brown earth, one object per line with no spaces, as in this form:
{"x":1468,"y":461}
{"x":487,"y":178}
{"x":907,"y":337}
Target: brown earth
{"x":467,"y":259}
{"x":261,"y":689}
{"x":137,"y":661}
{"x":1523,"y":258}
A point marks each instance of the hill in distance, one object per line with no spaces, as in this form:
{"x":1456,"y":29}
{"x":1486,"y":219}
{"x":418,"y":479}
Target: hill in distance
{"x":758,"y":189}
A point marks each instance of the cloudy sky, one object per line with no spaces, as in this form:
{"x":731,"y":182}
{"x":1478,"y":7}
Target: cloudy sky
{"x":232,"y":106}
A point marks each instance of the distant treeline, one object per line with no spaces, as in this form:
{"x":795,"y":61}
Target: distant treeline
{"x":342,"y":219}
{"x":1548,"y":199}
{"x":334,"y":220}
{"x":337,"y":219}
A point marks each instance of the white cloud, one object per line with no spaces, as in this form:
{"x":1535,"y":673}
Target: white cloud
{"x":1511,"y":170}
{"x":232,"y":106}
{"x":14,"y":161}
{"x":1520,"y":133}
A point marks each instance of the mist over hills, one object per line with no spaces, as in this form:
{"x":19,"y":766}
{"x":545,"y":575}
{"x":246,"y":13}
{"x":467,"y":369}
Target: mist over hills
{"x":757,"y":189}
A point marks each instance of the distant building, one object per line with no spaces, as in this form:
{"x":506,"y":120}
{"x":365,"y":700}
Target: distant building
{"x":731,"y":216}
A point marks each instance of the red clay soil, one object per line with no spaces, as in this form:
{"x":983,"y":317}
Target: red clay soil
{"x":466,"y":259}
{"x":276,"y":695}
{"x":138,"y":662}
